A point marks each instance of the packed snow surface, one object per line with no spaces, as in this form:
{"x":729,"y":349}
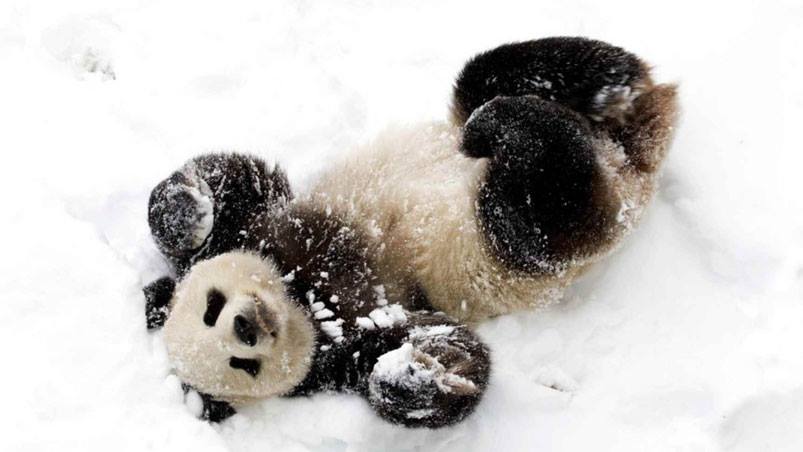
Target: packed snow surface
{"x":689,"y":338}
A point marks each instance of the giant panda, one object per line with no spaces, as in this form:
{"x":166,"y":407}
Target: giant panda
{"x":276,"y":297}
{"x":368,"y":281}
{"x":549,"y":158}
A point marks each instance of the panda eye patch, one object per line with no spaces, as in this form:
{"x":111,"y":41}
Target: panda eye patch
{"x":215,"y":300}
{"x":251,"y":366}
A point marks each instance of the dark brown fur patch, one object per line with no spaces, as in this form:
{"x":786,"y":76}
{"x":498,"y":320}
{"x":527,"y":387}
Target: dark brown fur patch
{"x":544,"y":201}
{"x":322,"y":256}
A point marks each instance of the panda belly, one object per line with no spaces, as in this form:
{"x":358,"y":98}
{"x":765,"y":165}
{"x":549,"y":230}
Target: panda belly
{"x":413,"y":193}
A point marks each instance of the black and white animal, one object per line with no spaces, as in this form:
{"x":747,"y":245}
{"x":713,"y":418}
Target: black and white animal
{"x":279,"y":298}
{"x":360,"y":283}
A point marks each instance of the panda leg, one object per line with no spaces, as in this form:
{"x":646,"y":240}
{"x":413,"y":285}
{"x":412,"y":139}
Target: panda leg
{"x":545,"y":200}
{"x":591,"y":77}
{"x":210,"y":204}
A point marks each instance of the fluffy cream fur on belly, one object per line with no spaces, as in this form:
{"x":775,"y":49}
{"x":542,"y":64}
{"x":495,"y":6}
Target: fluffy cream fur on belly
{"x":414,"y":193}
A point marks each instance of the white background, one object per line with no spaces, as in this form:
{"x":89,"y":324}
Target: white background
{"x":689,"y":338}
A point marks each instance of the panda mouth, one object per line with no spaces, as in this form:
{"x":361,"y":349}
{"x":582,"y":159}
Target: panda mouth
{"x":250,"y":366}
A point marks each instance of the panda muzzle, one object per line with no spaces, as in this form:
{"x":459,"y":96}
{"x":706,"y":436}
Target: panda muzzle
{"x":254,"y":324}
{"x":245,"y":330}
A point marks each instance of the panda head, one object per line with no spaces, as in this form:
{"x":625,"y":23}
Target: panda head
{"x":234,"y":333}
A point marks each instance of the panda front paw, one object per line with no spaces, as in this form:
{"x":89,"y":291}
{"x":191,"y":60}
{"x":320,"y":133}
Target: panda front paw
{"x":412,"y":388}
{"x":181,"y":211}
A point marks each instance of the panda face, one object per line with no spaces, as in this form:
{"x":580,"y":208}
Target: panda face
{"x":234,"y":334}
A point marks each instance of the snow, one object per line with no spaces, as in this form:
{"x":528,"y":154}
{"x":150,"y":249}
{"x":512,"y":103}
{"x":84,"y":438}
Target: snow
{"x":365,"y":323}
{"x":420,"y":414}
{"x":381,"y":318}
{"x":333,"y":328}
{"x":323,"y":314}
{"x":407,"y":367}
{"x":687,"y":339}
{"x":430,"y":331}
{"x":386,"y":316}
{"x":379,"y":291}
{"x":397,"y":365}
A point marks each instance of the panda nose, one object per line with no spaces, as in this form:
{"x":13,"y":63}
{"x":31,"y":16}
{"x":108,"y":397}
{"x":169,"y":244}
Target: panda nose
{"x":245,"y":330}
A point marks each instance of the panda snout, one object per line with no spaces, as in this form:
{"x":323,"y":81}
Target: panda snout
{"x":252,"y":325}
{"x":245,"y":330}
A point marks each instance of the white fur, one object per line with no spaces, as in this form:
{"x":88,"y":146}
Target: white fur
{"x":415,"y":194}
{"x":201,"y":353}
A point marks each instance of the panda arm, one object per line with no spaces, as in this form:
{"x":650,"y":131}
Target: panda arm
{"x":433,"y":377}
{"x":212,"y":205}
{"x":427,"y":371}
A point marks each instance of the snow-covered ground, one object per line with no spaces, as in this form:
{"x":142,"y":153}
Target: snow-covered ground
{"x":689,"y":338}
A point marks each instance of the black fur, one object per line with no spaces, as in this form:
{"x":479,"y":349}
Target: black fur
{"x":306,"y":243}
{"x":544,"y":201}
{"x":215,"y":300}
{"x":213,"y":410}
{"x":327,"y":265}
{"x":533,"y":109}
{"x":157,"y":301}
{"x":243,"y":189}
{"x":582,"y":74}
{"x":348,"y":366}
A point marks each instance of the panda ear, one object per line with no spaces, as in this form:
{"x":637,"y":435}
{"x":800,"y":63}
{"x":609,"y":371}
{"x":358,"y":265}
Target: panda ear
{"x":157,"y":301}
